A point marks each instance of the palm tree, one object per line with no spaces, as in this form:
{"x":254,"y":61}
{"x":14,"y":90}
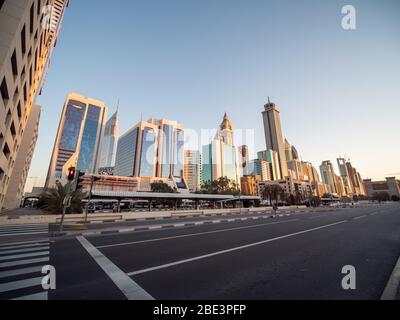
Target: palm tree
{"x":52,"y":199}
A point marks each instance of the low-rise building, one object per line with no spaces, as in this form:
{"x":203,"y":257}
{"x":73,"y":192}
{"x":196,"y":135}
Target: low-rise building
{"x":390,"y":185}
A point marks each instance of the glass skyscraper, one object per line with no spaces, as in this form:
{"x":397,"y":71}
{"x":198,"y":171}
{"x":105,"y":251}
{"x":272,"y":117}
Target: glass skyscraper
{"x":78,"y":139}
{"x":151,"y":149}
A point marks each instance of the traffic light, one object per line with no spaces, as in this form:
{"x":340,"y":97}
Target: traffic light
{"x":79,"y":181}
{"x":71,"y":174}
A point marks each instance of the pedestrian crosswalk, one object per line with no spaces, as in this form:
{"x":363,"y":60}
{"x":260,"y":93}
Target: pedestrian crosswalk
{"x":24,"y":229}
{"x":21,"y":266}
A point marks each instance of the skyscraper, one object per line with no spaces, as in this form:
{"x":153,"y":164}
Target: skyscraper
{"x":273,"y":135}
{"x":192,"y":170}
{"x":109,"y":144}
{"x":220,"y":157}
{"x":345,"y":175}
{"x":244,"y":160}
{"x":78,"y":138}
{"x":272,"y":158}
{"x":328,"y":176}
{"x":28,"y":34}
{"x":152,"y":148}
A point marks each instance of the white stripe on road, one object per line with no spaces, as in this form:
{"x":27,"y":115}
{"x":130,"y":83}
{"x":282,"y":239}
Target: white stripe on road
{"x":20,"y":284}
{"x":360,"y":217}
{"x":35,"y":297}
{"x":23,"y":262}
{"x":11,"y":273}
{"x":230,"y":250}
{"x":21,"y":234}
{"x":392,"y":287}
{"x":25,"y":246}
{"x":25,"y":255}
{"x":194,"y":234}
{"x":129,"y":288}
{"x":23,"y":242}
{"x":23,"y":250}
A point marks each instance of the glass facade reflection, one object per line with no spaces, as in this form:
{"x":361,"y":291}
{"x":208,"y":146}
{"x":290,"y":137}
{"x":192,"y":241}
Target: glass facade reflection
{"x":207,"y":166}
{"x":88,"y":148}
{"x":148,"y":154}
{"x":168,"y":131}
{"x":74,"y":115}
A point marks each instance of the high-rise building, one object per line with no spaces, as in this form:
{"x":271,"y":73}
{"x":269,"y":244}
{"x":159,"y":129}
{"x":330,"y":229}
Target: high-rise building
{"x":19,"y":175}
{"x":109,"y":144}
{"x":273,"y":135}
{"x":220,"y":157}
{"x":355,"y":180}
{"x":288,"y":151}
{"x":28,"y":34}
{"x":244,"y":160}
{"x":328,"y":176}
{"x":79,"y":138}
{"x":152,"y":148}
{"x":272,"y":157}
{"x":344,"y":174}
{"x":192,"y":170}
{"x":261,"y":168}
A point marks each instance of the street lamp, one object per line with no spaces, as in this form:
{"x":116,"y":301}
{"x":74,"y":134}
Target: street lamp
{"x":92,"y":180}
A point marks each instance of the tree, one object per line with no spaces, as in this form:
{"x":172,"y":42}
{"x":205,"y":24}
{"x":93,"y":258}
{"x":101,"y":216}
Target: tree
{"x":272,"y":192}
{"x":52,"y":199}
{"x":381,"y":196}
{"x":395,"y":198}
{"x":222,"y":185}
{"x":161,"y":187}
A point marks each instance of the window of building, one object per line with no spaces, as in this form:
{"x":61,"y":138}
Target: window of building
{"x":1,"y":3}
{"x":30,"y":76}
{"x":14,"y":66}
{"x":12,"y":129}
{"x":6,"y":150}
{"x":38,"y":7}
{"x":23,"y":41}
{"x":32,"y":17}
{"x":25,"y":93}
{"x":8,"y":118}
{"x":4,"y":91}
{"x":19,"y":112}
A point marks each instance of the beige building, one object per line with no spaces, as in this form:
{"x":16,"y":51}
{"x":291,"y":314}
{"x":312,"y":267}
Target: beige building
{"x":16,"y":187}
{"x":390,"y":185}
{"x":192,"y":170}
{"x":28,"y":34}
{"x":248,"y":185}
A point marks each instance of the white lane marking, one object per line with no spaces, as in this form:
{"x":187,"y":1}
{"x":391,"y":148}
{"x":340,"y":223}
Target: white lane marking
{"x":25,"y":255}
{"x":360,"y":217}
{"x":34,"y":297}
{"x":21,"y":234}
{"x":393,"y":284}
{"x":20,"y":284}
{"x":193,"y":234}
{"x":11,"y":273}
{"x":231,"y":250}
{"x":129,"y":288}
{"x":22,"y":225}
{"x":317,"y":217}
{"x":374,"y":214}
{"x":23,"y":242}
{"x":23,"y":250}
{"x":23,"y":262}
{"x":24,"y":246}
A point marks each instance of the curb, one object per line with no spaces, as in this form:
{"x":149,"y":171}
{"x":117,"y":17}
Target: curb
{"x":56,"y":234}
{"x":393,"y":286}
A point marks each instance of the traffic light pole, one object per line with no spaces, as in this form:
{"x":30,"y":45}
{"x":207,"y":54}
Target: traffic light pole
{"x":90,"y":198}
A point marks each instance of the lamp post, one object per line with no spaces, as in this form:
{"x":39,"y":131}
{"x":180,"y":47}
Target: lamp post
{"x":92,"y":180}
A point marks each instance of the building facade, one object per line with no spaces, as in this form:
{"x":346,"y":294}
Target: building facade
{"x":220,"y":157}
{"x":390,"y":185}
{"x":109,"y":144}
{"x":28,"y":34}
{"x":273,"y":136}
{"x":19,"y":176}
{"x":329,"y":177}
{"x":79,"y":138}
{"x":192,"y":170}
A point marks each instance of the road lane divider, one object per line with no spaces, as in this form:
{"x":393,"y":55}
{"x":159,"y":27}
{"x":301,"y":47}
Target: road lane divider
{"x":217,"y":253}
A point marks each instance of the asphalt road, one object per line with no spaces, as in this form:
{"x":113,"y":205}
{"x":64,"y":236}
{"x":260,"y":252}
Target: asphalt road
{"x":292,"y":257}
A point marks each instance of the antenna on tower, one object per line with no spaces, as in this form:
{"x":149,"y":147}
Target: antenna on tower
{"x":269,"y":100}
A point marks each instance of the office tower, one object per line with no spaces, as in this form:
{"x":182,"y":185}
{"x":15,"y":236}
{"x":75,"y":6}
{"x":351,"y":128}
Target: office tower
{"x":152,"y":148}
{"x":78,"y":138}
{"x":244,"y":160}
{"x":288,"y":151}
{"x":274,"y":137}
{"x":262,"y":168}
{"x":355,"y":180}
{"x":23,"y":161}
{"x":271,"y":157}
{"x":109,"y":144}
{"x":192,"y":170}
{"x":297,"y":168}
{"x":295,"y":154}
{"x":344,"y":173}
{"x":220,"y":157}
{"x":328,"y":176}
{"x":27,"y":42}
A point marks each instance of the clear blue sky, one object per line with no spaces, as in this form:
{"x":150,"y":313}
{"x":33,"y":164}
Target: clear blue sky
{"x":191,"y":60}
